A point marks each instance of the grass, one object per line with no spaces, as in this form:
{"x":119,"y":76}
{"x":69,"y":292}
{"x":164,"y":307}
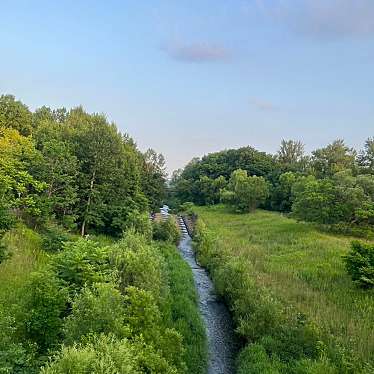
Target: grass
{"x":303,"y":268}
{"x":185,"y":314}
{"x":26,"y":256}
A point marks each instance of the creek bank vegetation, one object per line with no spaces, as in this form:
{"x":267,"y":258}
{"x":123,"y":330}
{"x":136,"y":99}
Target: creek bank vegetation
{"x":88,"y":283}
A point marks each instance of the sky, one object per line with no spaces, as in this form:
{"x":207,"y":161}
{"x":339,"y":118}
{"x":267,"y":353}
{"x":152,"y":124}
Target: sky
{"x":190,"y":77}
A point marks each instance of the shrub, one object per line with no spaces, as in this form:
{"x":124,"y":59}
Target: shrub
{"x":140,"y":223}
{"x":54,"y":238}
{"x":253,"y":359}
{"x":359,"y":263}
{"x":99,"y":309}
{"x":166,"y":231}
{"x":145,"y":320}
{"x":44,"y":302}
{"x":107,"y":355}
{"x":82,"y":263}
{"x":15,"y":357}
{"x":139,"y":264}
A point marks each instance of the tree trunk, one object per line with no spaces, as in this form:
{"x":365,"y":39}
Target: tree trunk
{"x":84,"y":223}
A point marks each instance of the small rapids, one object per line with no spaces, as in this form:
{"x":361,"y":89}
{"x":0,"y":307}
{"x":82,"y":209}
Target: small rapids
{"x":220,"y":332}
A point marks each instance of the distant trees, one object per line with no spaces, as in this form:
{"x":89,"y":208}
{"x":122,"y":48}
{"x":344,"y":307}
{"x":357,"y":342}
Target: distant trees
{"x":202,"y":179}
{"x":245,"y":193}
{"x":333,"y":186}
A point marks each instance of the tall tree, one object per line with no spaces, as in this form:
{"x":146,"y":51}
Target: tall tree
{"x":15,"y":115}
{"x":154,"y":178}
{"x":333,"y":158}
{"x":366,"y":156}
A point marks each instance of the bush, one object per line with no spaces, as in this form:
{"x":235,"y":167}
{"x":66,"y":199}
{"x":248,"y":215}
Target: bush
{"x":166,"y":231}
{"x":82,"y":263}
{"x":253,"y":359}
{"x":139,"y":264}
{"x":54,"y":238}
{"x":359,"y":263}
{"x":140,"y":223}
{"x":107,"y":355}
{"x":99,"y":309}
{"x":15,"y":357}
{"x":44,"y":303}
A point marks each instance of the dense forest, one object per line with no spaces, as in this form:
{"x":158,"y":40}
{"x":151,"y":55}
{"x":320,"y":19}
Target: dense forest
{"x":88,"y":283}
{"x":333,"y":186}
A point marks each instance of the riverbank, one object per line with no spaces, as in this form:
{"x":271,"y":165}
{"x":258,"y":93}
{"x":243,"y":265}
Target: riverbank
{"x":288,"y":291}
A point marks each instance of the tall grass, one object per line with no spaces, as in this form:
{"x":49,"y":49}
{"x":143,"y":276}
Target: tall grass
{"x":302,"y":271}
{"x":26,"y":256}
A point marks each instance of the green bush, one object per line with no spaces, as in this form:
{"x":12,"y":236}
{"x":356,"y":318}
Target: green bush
{"x":44,"y":304}
{"x":359,"y":263}
{"x":54,"y":238}
{"x":166,"y":231}
{"x":99,"y":309}
{"x":15,"y":357}
{"x":253,"y":359}
{"x":81,"y":263}
{"x":139,"y":264}
{"x":140,"y":223}
{"x":107,"y":355}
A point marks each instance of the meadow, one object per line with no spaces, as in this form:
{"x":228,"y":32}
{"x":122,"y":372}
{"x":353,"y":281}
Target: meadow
{"x":301,"y":269}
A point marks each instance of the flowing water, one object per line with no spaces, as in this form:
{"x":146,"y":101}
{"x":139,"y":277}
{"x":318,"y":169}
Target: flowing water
{"x":220,"y":333}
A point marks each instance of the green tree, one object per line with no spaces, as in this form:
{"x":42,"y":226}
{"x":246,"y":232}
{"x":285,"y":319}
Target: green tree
{"x":244,"y":192}
{"x":15,"y":115}
{"x":291,"y":156}
{"x":332,"y":159}
{"x":366,"y":156}
{"x":154,"y":178}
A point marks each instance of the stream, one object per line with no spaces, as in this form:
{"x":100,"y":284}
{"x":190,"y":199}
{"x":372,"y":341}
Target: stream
{"x":220,"y":332}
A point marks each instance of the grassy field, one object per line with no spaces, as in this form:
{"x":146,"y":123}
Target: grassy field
{"x":303,"y":268}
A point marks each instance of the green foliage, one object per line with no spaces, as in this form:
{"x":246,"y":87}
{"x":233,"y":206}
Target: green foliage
{"x":54,"y":238}
{"x":253,"y":359}
{"x":107,"y":355}
{"x":82,"y":263}
{"x":281,"y":194}
{"x":44,"y":302}
{"x":245,"y":193}
{"x":332,"y":159}
{"x":184,"y":312}
{"x":15,"y":357}
{"x":139,"y":264}
{"x":191,"y":184}
{"x":99,"y":309}
{"x":140,"y":224}
{"x":15,"y":115}
{"x":166,"y":231}
{"x":153,"y":178}
{"x":273,"y":273}
{"x":360,"y":264}
{"x":327,"y":201}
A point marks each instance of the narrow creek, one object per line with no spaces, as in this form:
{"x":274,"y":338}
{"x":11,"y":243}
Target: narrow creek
{"x":220,"y":332}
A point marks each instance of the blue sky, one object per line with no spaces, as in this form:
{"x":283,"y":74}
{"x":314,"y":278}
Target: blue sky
{"x":191,"y":77}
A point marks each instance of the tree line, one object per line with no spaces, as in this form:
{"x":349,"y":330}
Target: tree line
{"x":75,"y":168}
{"x":332,"y":186}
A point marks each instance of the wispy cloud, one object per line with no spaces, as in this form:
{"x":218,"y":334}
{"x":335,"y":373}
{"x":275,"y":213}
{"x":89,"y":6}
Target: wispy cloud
{"x":263,"y":105}
{"x":323,"y":19}
{"x":197,"y":52}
